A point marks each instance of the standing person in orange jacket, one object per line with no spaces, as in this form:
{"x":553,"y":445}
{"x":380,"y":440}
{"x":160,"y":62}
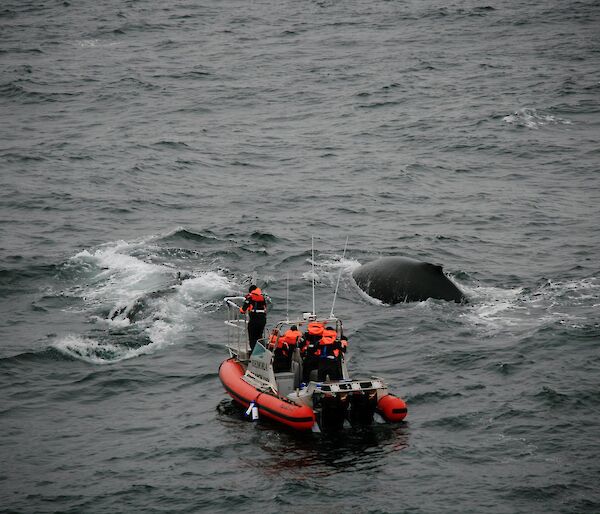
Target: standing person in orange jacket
{"x":256,"y":307}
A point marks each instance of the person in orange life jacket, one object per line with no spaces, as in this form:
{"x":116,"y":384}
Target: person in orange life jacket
{"x":309,"y":350}
{"x":292,"y":337}
{"x":256,"y":307}
{"x":330,"y":354}
{"x":284,"y":348}
{"x":273,"y":339}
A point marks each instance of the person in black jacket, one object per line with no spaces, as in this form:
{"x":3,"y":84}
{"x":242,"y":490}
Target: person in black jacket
{"x":256,"y":307}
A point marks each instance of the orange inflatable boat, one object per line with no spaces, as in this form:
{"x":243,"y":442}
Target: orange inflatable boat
{"x":298,"y":392}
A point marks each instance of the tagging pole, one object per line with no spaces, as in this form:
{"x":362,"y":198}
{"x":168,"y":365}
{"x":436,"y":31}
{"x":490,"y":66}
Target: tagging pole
{"x":287,"y":298}
{"x":338,"y":280}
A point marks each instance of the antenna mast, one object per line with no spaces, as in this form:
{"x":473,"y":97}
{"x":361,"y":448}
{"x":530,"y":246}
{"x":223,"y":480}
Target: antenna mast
{"x":338,"y":280}
{"x":313,"y":273}
{"x":287,"y":298}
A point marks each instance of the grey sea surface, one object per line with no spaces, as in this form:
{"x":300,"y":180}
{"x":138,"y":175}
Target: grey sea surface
{"x":157,"y":156}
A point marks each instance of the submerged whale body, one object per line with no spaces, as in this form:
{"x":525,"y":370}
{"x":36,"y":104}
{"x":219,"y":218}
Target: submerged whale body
{"x":400,"y":279}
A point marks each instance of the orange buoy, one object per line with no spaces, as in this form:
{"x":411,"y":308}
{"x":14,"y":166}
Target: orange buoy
{"x":392,"y":408}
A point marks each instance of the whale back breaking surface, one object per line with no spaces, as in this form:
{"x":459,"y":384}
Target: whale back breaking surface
{"x":401,"y":279}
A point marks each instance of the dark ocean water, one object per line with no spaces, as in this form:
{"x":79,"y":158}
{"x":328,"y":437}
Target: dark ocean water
{"x":142,"y":139}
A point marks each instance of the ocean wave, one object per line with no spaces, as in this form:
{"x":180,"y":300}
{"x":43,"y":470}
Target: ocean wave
{"x":459,"y":359}
{"x":551,"y":397}
{"x":431,"y":397}
{"x":175,"y":145}
{"x":382,"y":104}
{"x":539,"y":493}
{"x":13,"y":157}
{"x":457,"y":13}
{"x":24,"y":269}
{"x":93,"y":351}
{"x":455,"y":422}
{"x":189,"y":75}
{"x":46,"y":355}
{"x":21,"y":50}
{"x":7,"y":14}
{"x":264,"y":237}
{"x":28,"y":91}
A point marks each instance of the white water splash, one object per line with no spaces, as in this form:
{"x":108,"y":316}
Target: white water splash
{"x":121,"y":277}
{"x":152,"y":298}
{"x":329,"y":269}
{"x":178,"y":313}
{"x":493,"y":308}
{"x":531,"y":118}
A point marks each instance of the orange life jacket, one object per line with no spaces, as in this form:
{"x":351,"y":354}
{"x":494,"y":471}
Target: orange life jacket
{"x":315,"y":328}
{"x":257,"y":295}
{"x":327,"y":346}
{"x":290,"y":337}
{"x":254,"y":301}
{"x":329,"y":337}
{"x":273,"y":339}
{"x":280,"y":345}
{"x":312,"y":336}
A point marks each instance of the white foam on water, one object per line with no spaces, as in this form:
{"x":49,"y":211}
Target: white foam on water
{"x":179,"y":312}
{"x":206,"y":285}
{"x":493,"y":307}
{"x":335,"y":264}
{"x":87,"y":43}
{"x":308,"y":275}
{"x":554,"y":302}
{"x":94,"y":43}
{"x":580,"y":290}
{"x":565,"y":301}
{"x":531,"y":118}
{"x":121,"y":277}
